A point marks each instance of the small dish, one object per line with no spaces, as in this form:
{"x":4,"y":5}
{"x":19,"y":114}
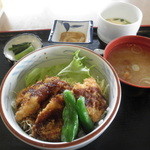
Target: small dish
{"x":84,"y":29}
{"x":21,"y":38}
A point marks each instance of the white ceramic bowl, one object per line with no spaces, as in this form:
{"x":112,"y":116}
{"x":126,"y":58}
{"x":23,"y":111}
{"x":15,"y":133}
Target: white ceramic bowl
{"x":48,"y":56}
{"x":108,"y":31}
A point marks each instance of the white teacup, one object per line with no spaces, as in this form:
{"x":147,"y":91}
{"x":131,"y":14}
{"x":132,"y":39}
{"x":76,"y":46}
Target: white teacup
{"x":108,"y":31}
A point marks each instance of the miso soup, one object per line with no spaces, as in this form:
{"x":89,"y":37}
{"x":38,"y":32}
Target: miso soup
{"x":132,"y":63}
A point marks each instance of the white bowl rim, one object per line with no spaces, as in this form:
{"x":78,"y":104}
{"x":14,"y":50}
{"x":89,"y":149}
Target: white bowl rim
{"x":124,"y":3}
{"x":63,"y":145}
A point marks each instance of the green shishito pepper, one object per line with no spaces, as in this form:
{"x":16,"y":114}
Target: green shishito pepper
{"x":74,"y":112}
{"x":70,"y":118}
{"x":84,"y":117}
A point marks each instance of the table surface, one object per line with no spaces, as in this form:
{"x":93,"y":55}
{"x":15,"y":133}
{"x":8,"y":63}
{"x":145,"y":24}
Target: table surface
{"x":33,"y":14}
{"x":130,"y":129}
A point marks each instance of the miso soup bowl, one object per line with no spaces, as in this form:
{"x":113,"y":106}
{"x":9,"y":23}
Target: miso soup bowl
{"x":49,"y":56}
{"x":135,"y":40}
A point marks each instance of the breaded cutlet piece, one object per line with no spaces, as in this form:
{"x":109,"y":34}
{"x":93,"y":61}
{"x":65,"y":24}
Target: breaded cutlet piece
{"x":29,"y":100}
{"x":94,"y":101}
{"x":49,"y":121}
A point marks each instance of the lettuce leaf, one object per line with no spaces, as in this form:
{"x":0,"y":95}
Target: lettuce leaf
{"x":76,"y":71}
{"x":38,"y":74}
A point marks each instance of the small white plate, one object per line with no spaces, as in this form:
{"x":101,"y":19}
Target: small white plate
{"x":21,"y":38}
{"x":61,"y":26}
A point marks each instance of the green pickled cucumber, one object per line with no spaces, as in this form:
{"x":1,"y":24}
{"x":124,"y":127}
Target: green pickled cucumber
{"x":25,"y":52}
{"x":18,"y":48}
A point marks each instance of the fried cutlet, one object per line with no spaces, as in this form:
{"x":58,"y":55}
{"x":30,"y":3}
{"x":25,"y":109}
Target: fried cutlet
{"x":29,"y":99}
{"x":43,"y":104}
{"x":49,"y":121}
{"x":94,"y":101}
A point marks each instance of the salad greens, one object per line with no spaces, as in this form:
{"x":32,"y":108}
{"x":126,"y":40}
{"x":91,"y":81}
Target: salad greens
{"x":72,"y":73}
{"x":76,"y":71}
{"x":38,"y":74}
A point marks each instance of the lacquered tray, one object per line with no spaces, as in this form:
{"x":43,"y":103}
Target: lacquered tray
{"x":130,"y":129}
